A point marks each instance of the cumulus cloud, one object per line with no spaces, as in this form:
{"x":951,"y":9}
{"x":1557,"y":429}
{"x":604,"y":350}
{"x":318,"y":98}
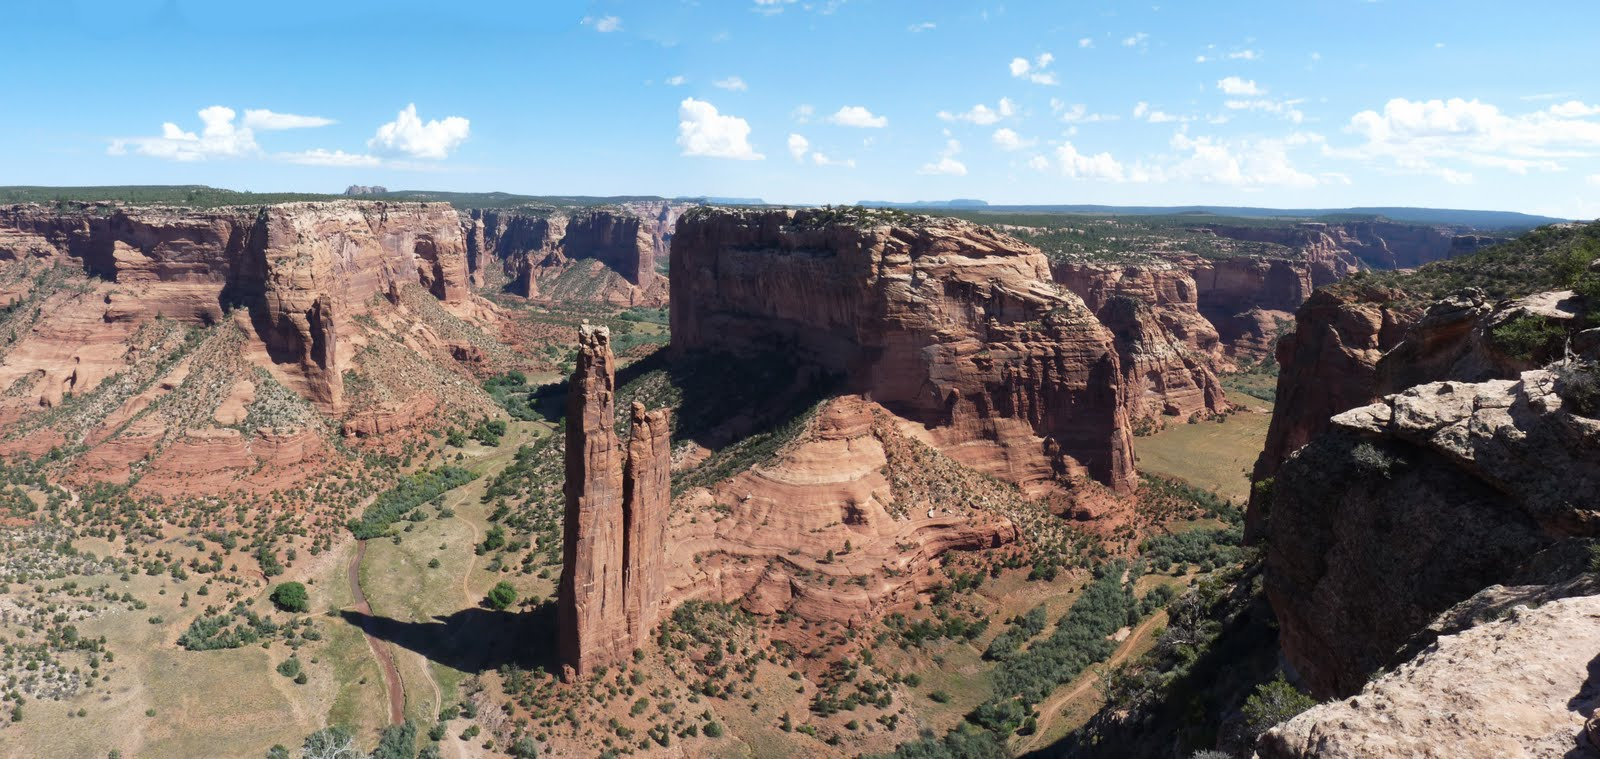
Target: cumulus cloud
{"x":798,"y":145}
{"x":1420,"y":136}
{"x":857,"y":116}
{"x":1085,"y":42}
{"x":322,"y":157}
{"x":1139,"y":39}
{"x":947,"y":163}
{"x":823,"y":160}
{"x":267,"y":120}
{"x":704,"y":132}
{"x":803,"y":113}
{"x":1035,"y":70}
{"x":731,"y":83}
{"x":409,"y":135}
{"x":1007,"y":139}
{"x":1100,"y":166}
{"x":603,"y":24}
{"x":1247,"y":164}
{"x":1233,"y":85}
{"x":676,"y":81}
{"x":922,"y":27}
{"x":219,"y":137}
{"x":981,"y":114}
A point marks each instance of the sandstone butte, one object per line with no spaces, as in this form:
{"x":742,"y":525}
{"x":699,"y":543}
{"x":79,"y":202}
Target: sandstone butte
{"x":297,"y":282}
{"x":617,"y":504}
{"x":947,"y":324}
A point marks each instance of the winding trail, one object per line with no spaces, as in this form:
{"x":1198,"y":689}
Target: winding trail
{"x":1053,"y":704}
{"x":391,"y":673}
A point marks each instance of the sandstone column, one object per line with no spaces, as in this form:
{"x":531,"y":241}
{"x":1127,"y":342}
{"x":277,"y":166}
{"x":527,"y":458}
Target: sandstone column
{"x":646,"y":500}
{"x":616,"y":519}
{"x":590,"y":616}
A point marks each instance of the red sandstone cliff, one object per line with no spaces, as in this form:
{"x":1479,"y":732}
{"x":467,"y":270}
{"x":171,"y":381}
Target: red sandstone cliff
{"x":1167,"y":347}
{"x":600,"y":255}
{"x":944,"y":322}
{"x":616,"y":517}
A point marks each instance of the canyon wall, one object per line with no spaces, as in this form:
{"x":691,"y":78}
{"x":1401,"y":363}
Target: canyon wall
{"x":304,"y":271}
{"x":944,"y":322}
{"x":1377,"y":244}
{"x":616,"y":516}
{"x":574,"y":255}
{"x":1167,"y":347}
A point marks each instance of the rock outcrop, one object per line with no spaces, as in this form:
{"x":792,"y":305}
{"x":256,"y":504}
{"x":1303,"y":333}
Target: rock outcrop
{"x":1166,"y":347}
{"x":576,"y":255}
{"x":1522,"y":685}
{"x":305,"y":272}
{"x":616,"y":515}
{"x":1413,"y":504}
{"x":946,"y":323}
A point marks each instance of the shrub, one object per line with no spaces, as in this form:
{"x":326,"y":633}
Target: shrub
{"x":397,"y":742}
{"x":1529,"y":338}
{"x":501,"y":596}
{"x":290,"y":667}
{"x":1579,"y":388}
{"x":1273,"y":703}
{"x":291,"y":596}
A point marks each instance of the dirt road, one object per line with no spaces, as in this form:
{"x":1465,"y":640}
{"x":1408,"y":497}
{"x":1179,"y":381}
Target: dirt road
{"x":380,"y":649}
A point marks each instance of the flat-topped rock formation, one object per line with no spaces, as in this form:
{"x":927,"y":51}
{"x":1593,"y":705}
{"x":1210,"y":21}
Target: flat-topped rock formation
{"x":573,"y":255}
{"x":946,"y":323}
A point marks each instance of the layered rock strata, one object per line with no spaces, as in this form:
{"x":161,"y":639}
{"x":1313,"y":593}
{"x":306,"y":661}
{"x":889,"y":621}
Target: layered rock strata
{"x":616,"y":516}
{"x":946,"y":323}
{"x":601,"y":255}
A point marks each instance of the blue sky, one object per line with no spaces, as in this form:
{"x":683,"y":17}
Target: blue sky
{"x":1290,"y":104}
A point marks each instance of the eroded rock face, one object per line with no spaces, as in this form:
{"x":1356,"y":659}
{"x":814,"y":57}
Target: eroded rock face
{"x":611,"y":580}
{"x":1166,"y":347}
{"x":1413,"y":504}
{"x":305,"y":272}
{"x":944,"y":322}
{"x":1518,"y":686}
{"x":605,"y":255}
{"x":1377,"y":244}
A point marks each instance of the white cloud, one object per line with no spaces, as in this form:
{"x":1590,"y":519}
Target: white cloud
{"x":1007,"y":139}
{"x":603,"y":24}
{"x":218,"y":138}
{"x":267,"y":120}
{"x":1419,"y":136}
{"x":857,"y":116}
{"x":922,"y":27}
{"x":981,"y":114}
{"x":1593,"y":179}
{"x":676,"y":81}
{"x":1235,"y":86}
{"x":1283,"y":108}
{"x":411,"y":136}
{"x":1076,"y":165}
{"x":802,"y":114}
{"x":321,"y":157}
{"x":1142,"y":111}
{"x":1038,"y":163}
{"x":1085,"y":42}
{"x":947,"y":163}
{"x":822,"y":160}
{"x":1034,"y":71}
{"x":1078,"y":113}
{"x":704,"y":132}
{"x":1244,"y":55}
{"x":1248,"y":164}
{"x":731,"y":83}
{"x":798,"y":145}
{"x":1139,"y":39}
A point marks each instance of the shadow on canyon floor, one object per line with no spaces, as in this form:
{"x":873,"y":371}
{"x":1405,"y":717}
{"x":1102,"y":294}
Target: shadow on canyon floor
{"x":473,"y":640}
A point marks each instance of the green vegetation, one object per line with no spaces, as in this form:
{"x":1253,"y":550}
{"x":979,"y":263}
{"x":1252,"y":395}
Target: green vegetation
{"x":1547,"y":258}
{"x":1273,"y":703}
{"x":410,"y":492}
{"x":501,"y":596}
{"x":236,"y":627}
{"x":191,"y":196}
{"x":291,"y":596}
{"x":1529,"y":338}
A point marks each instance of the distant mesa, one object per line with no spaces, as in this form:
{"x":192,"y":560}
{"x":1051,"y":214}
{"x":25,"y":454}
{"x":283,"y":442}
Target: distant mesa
{"x":361,"y":189}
